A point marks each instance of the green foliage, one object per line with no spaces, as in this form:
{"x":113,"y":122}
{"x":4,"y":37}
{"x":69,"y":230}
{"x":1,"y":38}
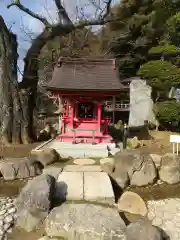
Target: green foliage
{"x":173,"y":28}
{"x":164,"y":49}
{"x":142,"y":25}
{"x":161,"y":75}
{"x":168,"y":111}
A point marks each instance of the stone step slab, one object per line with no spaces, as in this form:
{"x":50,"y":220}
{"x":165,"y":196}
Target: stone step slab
{"x":98,"y":187}
{"x":82,"y":153}
{"x":81,"y":150}
{"x":88,"y":186}
{"x":69,"y":186}
{"x":81,"y":168}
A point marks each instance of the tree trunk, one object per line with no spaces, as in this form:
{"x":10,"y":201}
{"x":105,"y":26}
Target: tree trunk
{"x":12,"y":115}
{"x":30,"y":76}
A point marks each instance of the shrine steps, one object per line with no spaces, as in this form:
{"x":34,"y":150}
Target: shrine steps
{"x":85,"y":138}
{"x":81,"y":150}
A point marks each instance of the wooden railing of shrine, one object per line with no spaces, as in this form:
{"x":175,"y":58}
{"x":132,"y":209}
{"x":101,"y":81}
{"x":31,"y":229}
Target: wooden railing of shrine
{"x":117,"y":106}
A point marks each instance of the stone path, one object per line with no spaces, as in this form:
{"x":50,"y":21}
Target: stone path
{"x":79,"y":168}
{"x":81,"y":150}
{"x":166,"y":214}
{"x":84,"y":161}
{"x":91,"y":186}
{"x":7,"y":216}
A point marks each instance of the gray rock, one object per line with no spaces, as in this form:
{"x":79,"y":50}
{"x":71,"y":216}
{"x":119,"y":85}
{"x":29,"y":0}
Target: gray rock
{"x":34,"y":201}
{"x":1,"y":231}
{"x":142,"y":230}
{"x":169,"y":171}
{"x":52,"y":171}
{"x":147,"y":174}
{"x":7,"y":226}
{"x":128,"y":161}
{"x":121,"y":178}
{"x":131,"y":202}
{"x":12,"y":210}
{"x":2,"y":212}
{"x":46,"y":156}
{"x":84,"y":221}
{"x":107,"y":168}
{"x":8,"y":219}
{"x":8,"y":171}
{"x":22,"y":169}
{"x":107,"y":160}
{"x":17,"y":168}
{"x":29,"y":221}
{"x":156,"y":159}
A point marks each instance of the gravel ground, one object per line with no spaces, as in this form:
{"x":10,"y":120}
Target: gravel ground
{"x":7,"y":216}
{"x":166,"y":215}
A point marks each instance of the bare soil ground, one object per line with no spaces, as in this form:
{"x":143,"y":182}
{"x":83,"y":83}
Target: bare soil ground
{"x":159,"y":144}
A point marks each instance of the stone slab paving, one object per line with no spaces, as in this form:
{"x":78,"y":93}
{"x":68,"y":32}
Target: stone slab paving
{"x":89,"y":186}
{"x":97,"y":187}
{"x":81,"y":150}
{"x":70,"y":186}
{"x":166,"y":214}
{"x":84,"y":161}
{"x":79,"y":168}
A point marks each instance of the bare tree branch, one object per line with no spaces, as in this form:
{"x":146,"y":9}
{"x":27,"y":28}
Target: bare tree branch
{"x":18,"y":4}
{"x":107,"y":9}
{"x":48,"y":13}
{"x":62,"y":13}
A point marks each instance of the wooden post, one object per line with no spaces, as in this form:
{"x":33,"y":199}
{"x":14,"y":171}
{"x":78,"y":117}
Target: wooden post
{"x":99,"y":116}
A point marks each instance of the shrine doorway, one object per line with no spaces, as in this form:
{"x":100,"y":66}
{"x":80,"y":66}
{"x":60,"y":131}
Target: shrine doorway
{"x":87,"y":110}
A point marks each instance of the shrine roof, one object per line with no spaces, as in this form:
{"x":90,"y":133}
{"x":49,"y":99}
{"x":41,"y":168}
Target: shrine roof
{"x":85,"y":74}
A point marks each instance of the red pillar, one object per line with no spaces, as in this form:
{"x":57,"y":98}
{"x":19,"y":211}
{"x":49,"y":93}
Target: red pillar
{"x":72,"y":113}
{"x":99,"y":116}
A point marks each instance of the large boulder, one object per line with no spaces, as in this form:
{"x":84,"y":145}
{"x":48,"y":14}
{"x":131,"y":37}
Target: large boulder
{"x":46,"y":156}
{"x":132,"y":203}
{"x":126,"y":163}
{"x":142,"y":230}
{"x":169,"y":171}
{"x":129,"y":161}
{"x":19,"y":168}
{"x":156,"y":159}
{"x":107,"y":168}
{"x":120,"y":177}
{"x":107,"y":165}
{"x":84,"y":221}
{"x":34,"y":202}
{"x":139,"y":166}
{"x":147,"y":174}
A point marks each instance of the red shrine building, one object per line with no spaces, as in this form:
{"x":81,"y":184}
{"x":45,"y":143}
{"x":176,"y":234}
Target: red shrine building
{"x":83,"y":87}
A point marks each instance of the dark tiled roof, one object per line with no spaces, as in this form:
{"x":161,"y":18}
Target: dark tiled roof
{"x":85,"y":74}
